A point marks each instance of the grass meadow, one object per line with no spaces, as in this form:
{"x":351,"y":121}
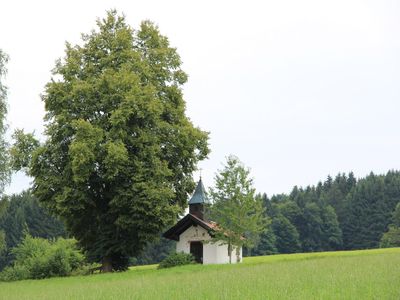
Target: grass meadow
{"x":367,"y":274}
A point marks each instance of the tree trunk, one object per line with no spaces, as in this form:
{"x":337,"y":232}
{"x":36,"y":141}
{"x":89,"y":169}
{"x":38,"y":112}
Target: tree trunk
{"x":230,"y":252}
{"x":106,"y":264}
{"x":237,"y":254}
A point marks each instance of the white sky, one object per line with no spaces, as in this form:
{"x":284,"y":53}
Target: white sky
{"x":296,"y":89}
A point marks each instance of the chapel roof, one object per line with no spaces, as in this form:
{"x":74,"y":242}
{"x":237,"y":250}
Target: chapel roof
{"x":189,"y":220}
{"x":199,"y":195}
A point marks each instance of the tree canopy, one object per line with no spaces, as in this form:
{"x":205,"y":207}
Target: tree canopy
{"x":118,"y":160}
{"x":339,"y":213}
{"x":235,"y":207}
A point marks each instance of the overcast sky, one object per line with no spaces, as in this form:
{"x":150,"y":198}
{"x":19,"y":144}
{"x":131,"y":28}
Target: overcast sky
{"x":296,"y":89}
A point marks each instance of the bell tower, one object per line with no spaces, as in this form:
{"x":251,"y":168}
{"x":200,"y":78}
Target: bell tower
{"x":199,"y":201}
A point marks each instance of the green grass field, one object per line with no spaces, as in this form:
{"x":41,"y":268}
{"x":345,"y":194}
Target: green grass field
{"x":368,"y":274}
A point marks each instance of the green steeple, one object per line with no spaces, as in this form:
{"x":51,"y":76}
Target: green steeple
{"x":199,"y":195}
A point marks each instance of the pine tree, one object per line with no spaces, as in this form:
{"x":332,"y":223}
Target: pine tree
{"x":368,"y":214}
{"x":396,"y":216}
{"x":331,"y":238}
{"x":287,"y":237}
{"x":267,"y":243}
{"x":311,"y":234}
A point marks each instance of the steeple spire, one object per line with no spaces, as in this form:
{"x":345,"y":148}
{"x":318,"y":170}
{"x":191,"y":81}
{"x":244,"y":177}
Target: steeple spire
{"x":199,"y":195}
{"x":199,"y":198}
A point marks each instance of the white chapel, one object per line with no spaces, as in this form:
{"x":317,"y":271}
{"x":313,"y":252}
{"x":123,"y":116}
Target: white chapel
{"x":194,"y":230}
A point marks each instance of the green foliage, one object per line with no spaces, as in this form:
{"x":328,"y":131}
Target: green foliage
{"x":22,"y":214}
{"x":176,"y":259}
{"x":237,"y":211}
{"x":267,"y":243}
{"x":369,"y":212}
{"x":320,"y":228}
{"x":154,"y":252}
{"x":3,"y":244}
{"x":23,"y":147}
{"x":37,"y":258}
{"x":287,"y":237}
{"x":396,"y":216}
{"x":334,"y":193}
{"x":311,"y":229}
{"x":4,"y":156}
{"x":391,"y":238}
{"x":331,"y":238}
{"x":340,"y":213}
{"x":118,"y":160}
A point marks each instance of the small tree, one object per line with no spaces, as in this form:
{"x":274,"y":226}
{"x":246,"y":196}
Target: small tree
{"x":235,"y":208}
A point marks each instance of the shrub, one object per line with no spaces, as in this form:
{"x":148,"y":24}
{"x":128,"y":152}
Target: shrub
{"x":176,"y":259}
{"x":391,"y":238}
{"x":37,"y":258}
{"x":17,"y":272}
{"x":86,"y":269}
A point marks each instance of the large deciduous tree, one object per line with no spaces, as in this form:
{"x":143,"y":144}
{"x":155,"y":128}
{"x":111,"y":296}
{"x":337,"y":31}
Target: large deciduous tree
{"x":118,"y":160}
{"x":235,"y":207}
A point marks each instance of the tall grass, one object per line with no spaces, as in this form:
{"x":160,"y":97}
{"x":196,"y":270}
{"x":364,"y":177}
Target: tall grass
{"x":369,"y":274}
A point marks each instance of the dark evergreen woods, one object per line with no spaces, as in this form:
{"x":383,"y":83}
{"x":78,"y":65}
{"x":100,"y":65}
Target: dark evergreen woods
{"x":392,"y":237}
{"x":304,"y":220}
{"x":338,"y":214}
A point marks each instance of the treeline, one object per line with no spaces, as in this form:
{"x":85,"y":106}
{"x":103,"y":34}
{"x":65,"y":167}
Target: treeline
{"x":341,"y":213}
{"x":21,"y":215}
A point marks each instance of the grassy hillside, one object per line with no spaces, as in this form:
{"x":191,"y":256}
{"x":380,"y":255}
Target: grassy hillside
{"x":368,"y":274}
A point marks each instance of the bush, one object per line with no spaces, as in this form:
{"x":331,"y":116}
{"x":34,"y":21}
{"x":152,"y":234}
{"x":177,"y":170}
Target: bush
{"x":14,"y":273}
{"x":391,"y":238}
{"x":37,"y":258}
{"x":87,"y":269}
{"x":176,"y":259}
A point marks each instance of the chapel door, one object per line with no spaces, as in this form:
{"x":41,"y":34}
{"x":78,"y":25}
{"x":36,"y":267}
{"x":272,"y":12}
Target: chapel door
{"x":196,"y":249}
